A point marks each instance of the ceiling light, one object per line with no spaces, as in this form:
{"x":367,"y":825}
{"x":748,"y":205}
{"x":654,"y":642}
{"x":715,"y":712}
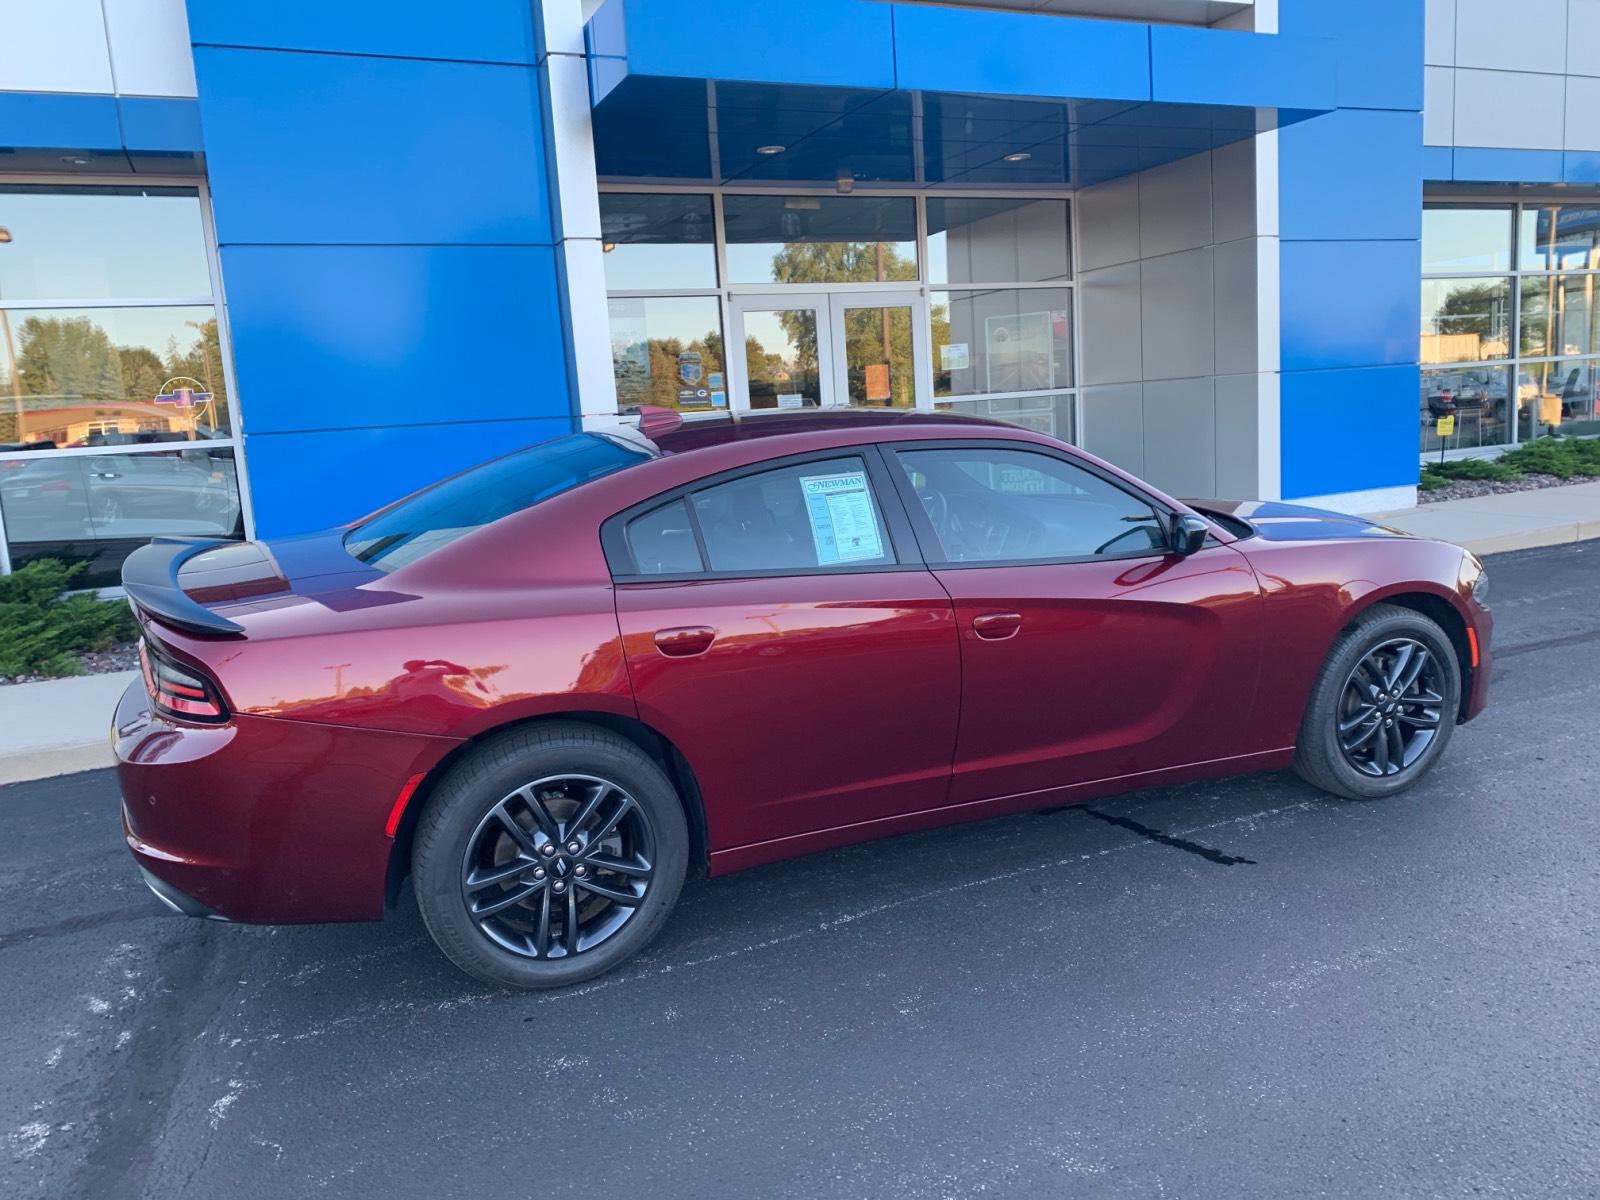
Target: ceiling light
{"x":771,"y":149}
{"x":845,"y":183}
{"x":1019,"y":156}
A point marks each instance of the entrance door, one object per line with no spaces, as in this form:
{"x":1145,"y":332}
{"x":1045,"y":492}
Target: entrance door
{"x":820,"y":351}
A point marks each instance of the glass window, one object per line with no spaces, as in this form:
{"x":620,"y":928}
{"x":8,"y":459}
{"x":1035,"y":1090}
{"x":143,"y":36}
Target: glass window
{"x":995,"y":505}
{"x":1562,"y":395}
{"x":1559,"y":237}
{"x":878,"y":355}
{"x":110,"y":377}
{"x":98,"y":508}
{"x":662,"y":541}
{"x":1010,"y":240}
{"x":1465,"y":320}
{"x":1557,"y":316}
{"x":1466,"y":239}
{"x":805,"y":517}
{"x":1001,"y":340}
{"x":438,"y":515}
{"x":780,"y":358}
{"x":667,"y":351}
{"x":1050,"y":414}
{"x":820,"y":239}
{"x":101,"y":243}
{"x":656,"y":242}
{"x":1476,"y":397}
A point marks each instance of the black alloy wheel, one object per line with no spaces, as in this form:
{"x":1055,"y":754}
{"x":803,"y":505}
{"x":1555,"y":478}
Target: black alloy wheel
{"x":1391,"y":708}
{"x":558,"y":866}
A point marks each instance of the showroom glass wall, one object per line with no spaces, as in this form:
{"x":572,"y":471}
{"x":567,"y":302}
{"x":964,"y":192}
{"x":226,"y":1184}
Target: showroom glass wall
{"x":952,"y":301}
{"x":116,"y":421}
{"x":1510,"y":341}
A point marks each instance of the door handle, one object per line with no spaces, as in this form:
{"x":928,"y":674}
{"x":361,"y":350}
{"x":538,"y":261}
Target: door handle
{"x":997,"y":626}
{"x":685,"y":641}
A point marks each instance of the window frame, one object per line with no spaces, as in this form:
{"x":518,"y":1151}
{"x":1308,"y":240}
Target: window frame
{"x":903,"y":543}
{"x":933,"y":550}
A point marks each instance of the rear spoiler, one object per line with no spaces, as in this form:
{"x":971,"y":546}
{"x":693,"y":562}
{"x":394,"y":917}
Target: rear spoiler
{"x":150,"y":577}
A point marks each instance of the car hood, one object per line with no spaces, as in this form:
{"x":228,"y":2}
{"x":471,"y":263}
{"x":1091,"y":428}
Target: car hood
{"x":1276,"y":521}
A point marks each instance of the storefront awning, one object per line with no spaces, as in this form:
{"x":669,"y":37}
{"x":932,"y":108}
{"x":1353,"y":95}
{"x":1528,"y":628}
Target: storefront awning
{"x":723,"y":91}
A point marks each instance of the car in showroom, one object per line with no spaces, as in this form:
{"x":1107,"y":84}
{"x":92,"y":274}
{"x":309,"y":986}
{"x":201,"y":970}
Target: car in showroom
{"x":549,"y":688}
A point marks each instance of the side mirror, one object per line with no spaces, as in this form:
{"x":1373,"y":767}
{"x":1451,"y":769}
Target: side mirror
{"x":1188,"y":533}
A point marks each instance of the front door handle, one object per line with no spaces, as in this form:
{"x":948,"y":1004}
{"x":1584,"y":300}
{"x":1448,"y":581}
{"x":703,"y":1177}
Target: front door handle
{"x":685,"y":641}
{"x":996,"y":626}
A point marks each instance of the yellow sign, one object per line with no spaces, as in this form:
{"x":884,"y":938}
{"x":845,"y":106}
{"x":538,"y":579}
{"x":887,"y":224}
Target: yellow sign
{"x":1445,"y":426}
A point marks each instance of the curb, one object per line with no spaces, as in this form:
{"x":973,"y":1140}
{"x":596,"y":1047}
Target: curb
{"x":29,"y":765}
{"x":58,"y":726}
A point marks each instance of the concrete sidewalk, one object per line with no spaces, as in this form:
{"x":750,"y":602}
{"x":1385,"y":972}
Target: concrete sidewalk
{"x":1513,"y":521}
{"x":58,"y":726}
{"x":63,"y":725}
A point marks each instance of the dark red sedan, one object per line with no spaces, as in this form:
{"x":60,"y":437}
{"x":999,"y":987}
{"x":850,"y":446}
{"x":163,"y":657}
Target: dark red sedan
{"x":551,"y":686}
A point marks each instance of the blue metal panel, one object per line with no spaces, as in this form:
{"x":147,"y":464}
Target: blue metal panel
{"x":65,"y":121}
{"x":1379,"y":46}
{"x":1017,"y":54}
{"x":155,"y":124}
{"x":1349,"y":430}
{"x":838,"y":43}
{"x":340,"y":336}
{"x":305,"y":481}
{"x":1354,"y":174}
{"x":1212,"y":66}
{"x":1580,"y":166}
{"x":1438,"y":162}
{"x":483,"y":30}
{"x":1483,"y":165}
{"x":1349,"y":304}
{"x":328,"y":148}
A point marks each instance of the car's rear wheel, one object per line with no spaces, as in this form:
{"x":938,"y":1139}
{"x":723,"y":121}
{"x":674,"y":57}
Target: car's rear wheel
{"x":1384,"y":707}
{"x":549,"y":856}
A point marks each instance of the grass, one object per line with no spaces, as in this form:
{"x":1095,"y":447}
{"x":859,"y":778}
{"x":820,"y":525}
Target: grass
{"x":1565,"y":458}
{"x":42,"y":629}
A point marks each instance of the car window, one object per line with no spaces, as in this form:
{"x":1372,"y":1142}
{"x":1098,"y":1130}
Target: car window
{"x":805,"y":516}
{"x":999,"y":505}
{"x":662,"y":541}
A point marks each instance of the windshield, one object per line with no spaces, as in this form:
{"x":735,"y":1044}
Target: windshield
{"x":475,"y":498}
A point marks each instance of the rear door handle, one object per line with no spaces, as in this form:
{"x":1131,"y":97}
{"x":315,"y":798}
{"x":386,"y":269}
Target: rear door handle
{"x":685,"y":641}
{"x":997,"y":626}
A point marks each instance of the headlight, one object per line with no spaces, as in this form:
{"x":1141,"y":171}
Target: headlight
{"x":1476,"y":578}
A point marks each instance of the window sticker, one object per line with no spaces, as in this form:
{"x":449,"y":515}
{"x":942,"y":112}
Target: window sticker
{"x":842,"y":522}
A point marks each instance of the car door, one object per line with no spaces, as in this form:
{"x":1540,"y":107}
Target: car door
{"x":1089,"y":651}
{"x":781,"y":629}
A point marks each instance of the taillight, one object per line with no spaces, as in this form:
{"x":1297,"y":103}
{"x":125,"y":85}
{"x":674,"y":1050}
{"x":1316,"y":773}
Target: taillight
{"x":178,"y":691}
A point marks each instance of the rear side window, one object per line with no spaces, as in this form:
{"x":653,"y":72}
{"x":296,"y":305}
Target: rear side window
{"x":801,"y":517}
{"x":446,"y":511}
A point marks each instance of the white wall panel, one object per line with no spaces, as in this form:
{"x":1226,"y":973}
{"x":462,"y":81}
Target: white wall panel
{"x":1583,"y":113}
{"x":1180,"y":436}
{"x":1176,"y":295}
{"x":1113,"y":424}
{"x":1440,"y":33}
{"x":1238,"y":439}
{"x":1108,"y":218}
{"x":150,"y":52}
{"x":1108,"y":301}
{"x":1510,"y":108}
{"x":1529,"y":35}
{"x":53,"y":46}
{"x":1234,"y":277}
{"x":1175,"y":206}
{"x":1233,"y":190}
{"x":1438,"y":106}
{"x":1583,"y":39}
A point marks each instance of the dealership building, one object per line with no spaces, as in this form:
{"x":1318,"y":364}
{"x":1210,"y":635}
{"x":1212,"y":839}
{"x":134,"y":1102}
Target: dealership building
{"x":265,"y":266}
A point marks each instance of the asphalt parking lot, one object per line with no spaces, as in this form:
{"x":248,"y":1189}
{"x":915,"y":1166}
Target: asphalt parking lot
{"x":1242,"y":988}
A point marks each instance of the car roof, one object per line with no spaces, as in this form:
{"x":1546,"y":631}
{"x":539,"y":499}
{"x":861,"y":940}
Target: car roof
{"x":701,"y":432}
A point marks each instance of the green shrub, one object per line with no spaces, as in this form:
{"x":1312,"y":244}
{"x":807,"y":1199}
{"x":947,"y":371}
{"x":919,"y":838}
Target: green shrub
{"x":41,"y":629}
{"x":1471,"y":468}
{"x":1561,"y":457}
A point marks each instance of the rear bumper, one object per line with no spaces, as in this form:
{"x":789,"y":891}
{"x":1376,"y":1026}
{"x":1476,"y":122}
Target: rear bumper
{"x":260,"y":819}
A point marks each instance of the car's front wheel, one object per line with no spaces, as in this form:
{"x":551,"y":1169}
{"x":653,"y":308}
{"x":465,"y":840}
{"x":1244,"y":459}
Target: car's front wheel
{"x":549,"y":855}
{"x":1384,"y":707}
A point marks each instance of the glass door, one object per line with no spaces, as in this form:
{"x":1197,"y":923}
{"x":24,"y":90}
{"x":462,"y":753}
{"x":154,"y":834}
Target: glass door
{"x":878,"y":342}
{"x":787,"y":352}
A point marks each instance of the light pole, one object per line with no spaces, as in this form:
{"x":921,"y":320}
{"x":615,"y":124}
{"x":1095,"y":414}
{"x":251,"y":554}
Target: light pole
{"x":11,"y":351}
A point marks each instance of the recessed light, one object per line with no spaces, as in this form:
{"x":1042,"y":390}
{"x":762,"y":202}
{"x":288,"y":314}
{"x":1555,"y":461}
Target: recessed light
{"x":73,"y":160}
{"x":1019,"y":156}
{"x":771,"y":149}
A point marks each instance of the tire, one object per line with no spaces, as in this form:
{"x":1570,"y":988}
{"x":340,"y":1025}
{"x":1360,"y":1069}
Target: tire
{"x":1345,"y":691}
{"x":468,"y":838}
